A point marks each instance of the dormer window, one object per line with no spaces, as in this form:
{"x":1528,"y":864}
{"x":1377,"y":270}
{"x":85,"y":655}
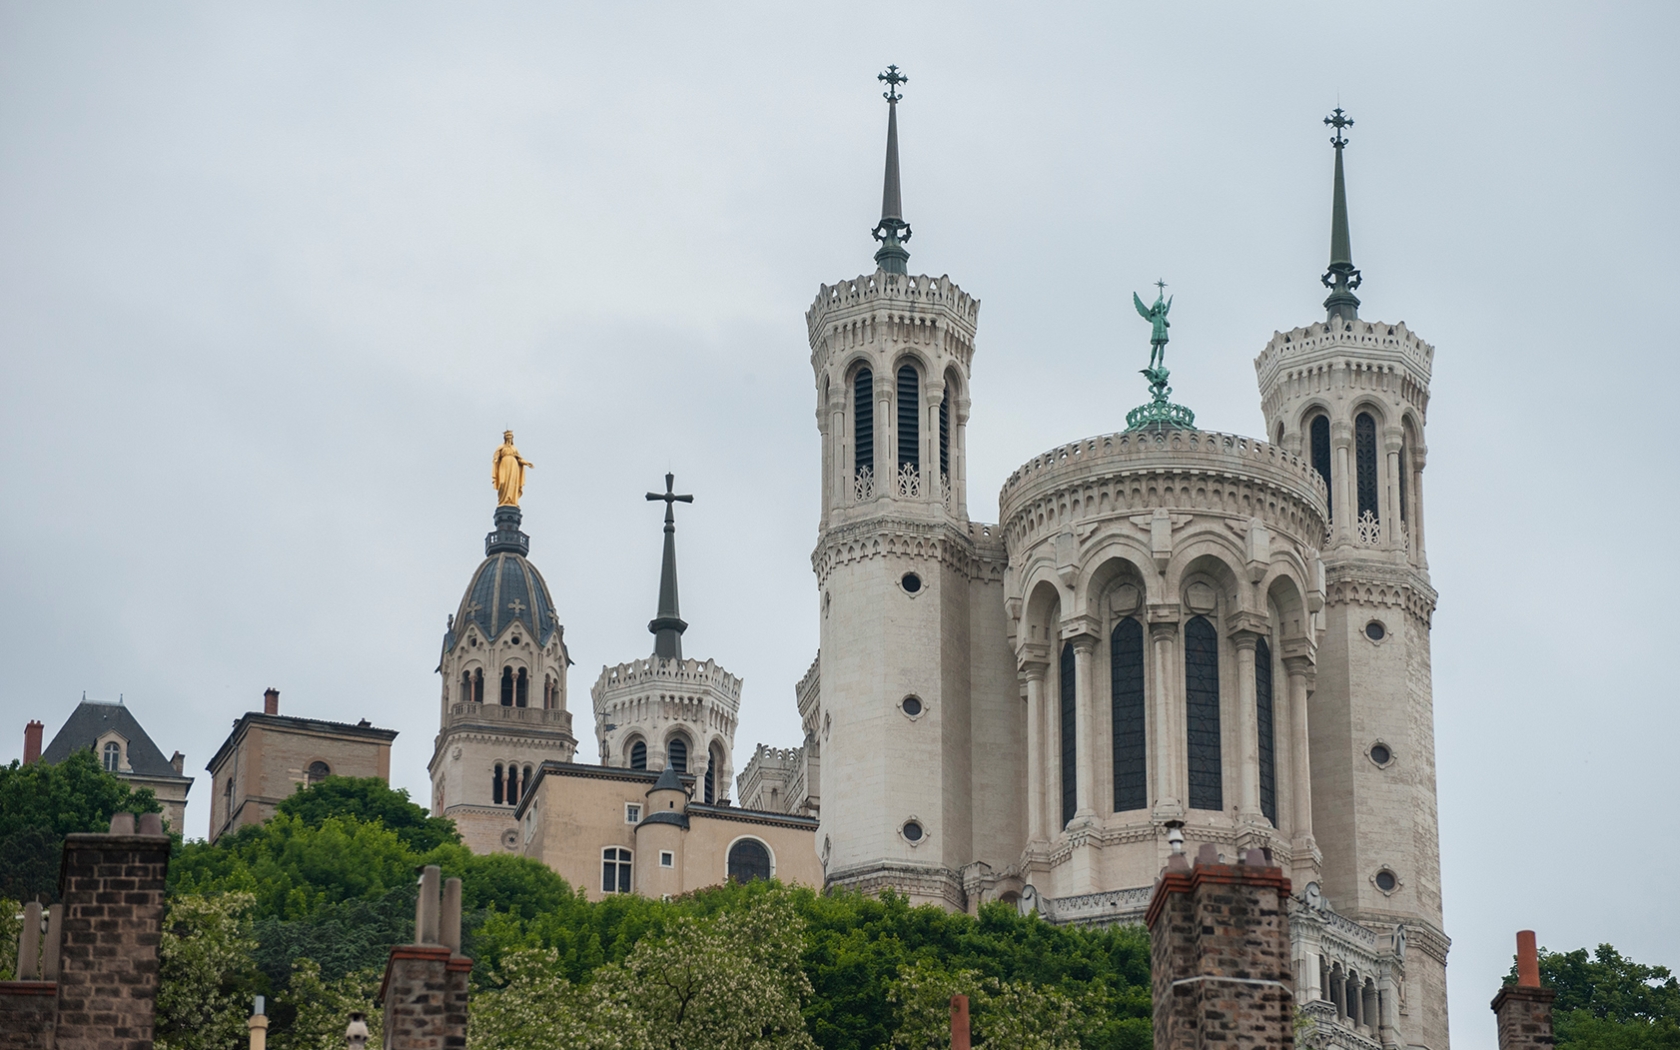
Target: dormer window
{"x":112,"y":757}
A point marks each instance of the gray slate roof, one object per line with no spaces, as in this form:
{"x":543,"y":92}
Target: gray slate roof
{"x":93,"y":718}
{"x":505,"y":590}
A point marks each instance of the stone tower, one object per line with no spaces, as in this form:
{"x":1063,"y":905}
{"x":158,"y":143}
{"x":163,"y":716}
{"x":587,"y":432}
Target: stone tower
{"x":1351,"y":396}
{"x":917,"y":713}
{"x":665,"y":711}
{"x":504,"y":693}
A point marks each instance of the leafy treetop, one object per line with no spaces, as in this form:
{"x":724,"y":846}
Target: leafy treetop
{"x":75,"y":795}
{"x":371,"y":799}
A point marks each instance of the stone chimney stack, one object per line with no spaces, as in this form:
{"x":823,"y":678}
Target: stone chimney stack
{"x":1219,"y":954}
{"x":425,"y":989}
{"x":271,"y":701}
{"x":32,"y":742}
{"x":1524,"y":1009}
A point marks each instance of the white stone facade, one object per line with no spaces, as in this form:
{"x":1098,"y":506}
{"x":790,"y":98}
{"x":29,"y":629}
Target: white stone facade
{"x":657,"y":703}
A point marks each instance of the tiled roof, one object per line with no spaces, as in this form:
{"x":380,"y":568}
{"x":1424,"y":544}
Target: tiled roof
{"x":91,"y":720}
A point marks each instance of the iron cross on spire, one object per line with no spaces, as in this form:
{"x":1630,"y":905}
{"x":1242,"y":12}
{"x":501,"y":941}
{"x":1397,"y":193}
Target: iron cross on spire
{"x":671,"y":500}
{"x":1339,"y":120}
{"x":892,"y":78}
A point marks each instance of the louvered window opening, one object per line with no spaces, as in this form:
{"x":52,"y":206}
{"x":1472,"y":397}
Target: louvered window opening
{"x":863,"y":421}
{"x":638,"y":755}
{"x":1365,"y":456}
{"x":1201,"y":702}
{"x":1321,"y":458}
{"x":507,"y":687}
{"x":1070,"y":749}
{"x":677,"y":754}
{"x":1263,"y":720}
{"x":945,"y":432}
{"x":1405,"y":482}
{"x":909,"y":416}
{"x":1125,"y":661}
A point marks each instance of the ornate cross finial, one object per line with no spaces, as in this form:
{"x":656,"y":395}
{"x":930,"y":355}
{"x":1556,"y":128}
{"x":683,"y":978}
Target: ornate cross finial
{"x":670,"y":497}
{"x":1161,"y":287}
{"x":892,"y":78}
{"x":1339,"y":120}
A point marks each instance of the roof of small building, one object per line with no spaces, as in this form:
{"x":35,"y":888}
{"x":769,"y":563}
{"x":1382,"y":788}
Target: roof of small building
{"x":91,"y":720}
{"x":362,"y":731}
{"x":667,"y":816}
{"x":668,"y":781}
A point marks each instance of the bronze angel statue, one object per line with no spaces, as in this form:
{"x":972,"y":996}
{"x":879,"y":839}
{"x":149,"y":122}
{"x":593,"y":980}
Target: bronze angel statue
{"x":1157,"y":316}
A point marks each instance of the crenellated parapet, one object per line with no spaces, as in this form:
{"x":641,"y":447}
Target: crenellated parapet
{"x":668,"y":708}
{"x":888,"y":308}
{"x":1325,"y":361}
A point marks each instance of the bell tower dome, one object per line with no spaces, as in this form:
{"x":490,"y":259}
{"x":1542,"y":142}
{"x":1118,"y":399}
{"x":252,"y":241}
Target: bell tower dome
{"x":1351,"y":396}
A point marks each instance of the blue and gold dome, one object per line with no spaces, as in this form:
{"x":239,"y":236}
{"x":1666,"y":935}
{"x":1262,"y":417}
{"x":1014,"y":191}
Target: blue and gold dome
{"x":506,"y":589}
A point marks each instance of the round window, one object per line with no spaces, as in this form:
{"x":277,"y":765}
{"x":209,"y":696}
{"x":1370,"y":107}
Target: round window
{"x":912,"y":831}
{"x":1375,"y":631}
{"x":1386,"y":881}
{"x":1380,"y":754}
{"x":912,"y":706}
{"x":911,"y":582}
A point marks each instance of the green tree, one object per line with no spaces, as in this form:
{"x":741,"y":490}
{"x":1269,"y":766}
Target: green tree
{"x":206,"y":974}
{"x":1003,"y":1015}
{"x":1606,"y":1001}
{"x":41,"y":803}
{"x":317,"y":1010}
{"x":369,"y":800}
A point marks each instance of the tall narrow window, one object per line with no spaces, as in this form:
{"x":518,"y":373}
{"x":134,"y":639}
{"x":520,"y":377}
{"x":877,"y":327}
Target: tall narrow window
{"x":711,"y":784}
{"x":945,"y":432}
{"x":615,"y":870}
{"x":1201,"y":708}
{"x":909,"y":416}
{"x":676,"y":753}
{"x":714,"y":771}
{"x":507,"y":687}
{"x":1070,"y":749}
{"x":1365,"y":459}
{"x":638,"y":755}
{"x":521,"y":689}
{"x":478,"y":686}
{"x":113,"y":757}
{"x":496,"y":785}
{"x":1321,"y":457}
{"x":513,"y":785}
{"x":1125,"y":662}
{"x":863,"y":421}
{"x":1263,"y":720}
{"x":1405,"y":483}
{"x":466,"y":686}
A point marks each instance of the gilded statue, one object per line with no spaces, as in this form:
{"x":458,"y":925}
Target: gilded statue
{"x":507,"y":472}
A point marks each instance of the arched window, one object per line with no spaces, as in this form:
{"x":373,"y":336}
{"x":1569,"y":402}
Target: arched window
{"x":113,"y":756}
{"x":507,"y":687}
{"x":1263,"y":719}
{"x":615,"y":870}
{"x":466,"y":686}
{"x":676,"y":754}
{"x":478,"y":686}
{"x":1125,"y":662}
{"x":1201,"y":703}
{"x":863,"y":421}
{"x":512,"y":785}
{"x":1070,"y":750}
{"x":521,"y":689}
{"x":909,"y":416}
{"x":638,"y":755}
{"x":714,"y":770}
{"x":1405,"y":480}
{"x":1321,"y":456}
{"x":317,"y":772}
{"x":1365,"y":459}
{"x":496,"y":785}
{"x":945,"y":433}
{"x":748,"y":860}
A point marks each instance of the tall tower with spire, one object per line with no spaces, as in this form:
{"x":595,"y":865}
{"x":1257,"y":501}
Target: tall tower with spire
{"x":1351,"y":396}
{"x":666,"y":712}
{"x":913,"y":700}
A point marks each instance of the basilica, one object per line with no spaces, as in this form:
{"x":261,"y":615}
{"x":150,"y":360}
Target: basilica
{"x":1168,"y":637}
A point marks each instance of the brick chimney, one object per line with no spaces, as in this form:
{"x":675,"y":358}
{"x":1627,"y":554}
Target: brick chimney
{"x":32,"y":742}
{"x":1524,"y":1009}
{"x":1219,"y":958}
{"x":959,"y":1022}
{"x":425,"y":988}
{"x":271,"y":701}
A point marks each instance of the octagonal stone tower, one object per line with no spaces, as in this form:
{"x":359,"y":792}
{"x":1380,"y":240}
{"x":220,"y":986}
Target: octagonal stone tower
{"x":913,"y":660}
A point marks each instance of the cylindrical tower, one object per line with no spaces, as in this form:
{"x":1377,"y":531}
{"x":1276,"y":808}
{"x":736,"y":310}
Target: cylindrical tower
{"x":1351,"y":396}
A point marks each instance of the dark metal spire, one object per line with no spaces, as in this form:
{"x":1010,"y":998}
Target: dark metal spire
{"x":1341,"y":278}
{"x":892,"y":231}
{"x":668,"y":626}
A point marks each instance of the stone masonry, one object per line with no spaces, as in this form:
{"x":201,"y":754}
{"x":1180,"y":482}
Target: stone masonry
{"x":425,"y":989}
{"x":1219,"y":954}
{"x":1524,"y":1009}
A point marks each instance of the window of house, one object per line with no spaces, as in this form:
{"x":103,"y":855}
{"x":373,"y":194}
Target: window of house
{"x":496,"y":785}
{"x":113,"y":757}
{"x":667,"y":859}
{"x":317,"y":772}
{"x":615,"y":870}
{"x":749,"y":859}
{"x":632,"y":813}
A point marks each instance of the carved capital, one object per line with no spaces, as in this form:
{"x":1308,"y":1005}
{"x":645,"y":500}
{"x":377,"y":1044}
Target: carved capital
{"x":1299,"y":665}
{"x":1252,"y":624}
{"x":1165,"y":614}
{"x":1032,"y":661}
{"x":1081,"y":631}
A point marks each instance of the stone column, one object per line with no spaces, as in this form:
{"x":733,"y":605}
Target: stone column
{"x":959,"y":458}
{"x":1084,"y":719}
{"x":930,"y":443}
{"x":1386,"y":1032}
{"x":1393,"y":441}
{"x":1165,"y":707}
{"x":839,"y":445}
{"x":1298,"y":669}
{"x":886,"y":432}
{"x":1037,"y":826}
{"x":1420,"y":453}
{"x":1524,"y":1009}
{"x":1219,"y":954}
{"x":1341,"y":477}
{"x":1248,"y":727}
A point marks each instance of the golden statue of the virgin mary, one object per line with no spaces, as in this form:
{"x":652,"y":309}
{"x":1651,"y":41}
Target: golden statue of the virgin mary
{"x":507,"y":472}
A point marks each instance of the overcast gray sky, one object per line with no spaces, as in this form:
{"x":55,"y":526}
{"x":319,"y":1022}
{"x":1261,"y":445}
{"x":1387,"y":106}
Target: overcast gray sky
{"x":274,"y":278}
